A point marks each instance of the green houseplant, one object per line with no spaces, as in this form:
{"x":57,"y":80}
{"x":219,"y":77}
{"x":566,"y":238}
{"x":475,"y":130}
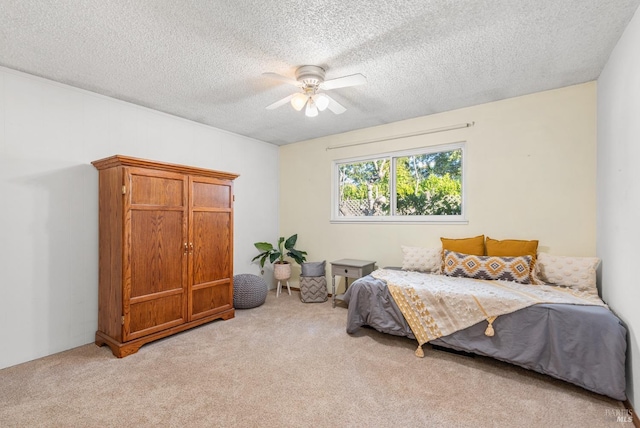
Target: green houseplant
{"x":275,"y":254}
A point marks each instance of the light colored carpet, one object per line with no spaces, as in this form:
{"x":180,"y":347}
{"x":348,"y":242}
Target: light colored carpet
{"x":288,"y":364}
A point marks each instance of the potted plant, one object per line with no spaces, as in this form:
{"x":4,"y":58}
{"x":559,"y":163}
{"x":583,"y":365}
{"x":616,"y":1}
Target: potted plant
{"x":281,"y":267}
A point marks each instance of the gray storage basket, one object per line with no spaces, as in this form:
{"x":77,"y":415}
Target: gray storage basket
{"x":313,"y":289}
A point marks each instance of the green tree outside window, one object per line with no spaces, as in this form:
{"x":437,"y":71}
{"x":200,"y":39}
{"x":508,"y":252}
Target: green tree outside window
{"x":426,"y":184}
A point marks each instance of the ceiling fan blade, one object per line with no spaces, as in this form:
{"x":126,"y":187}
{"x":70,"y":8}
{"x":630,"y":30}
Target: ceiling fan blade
{"x":343,"y":82}
{"x":281,"y":102}
{"x":282,"y":78}
{"x":335,"y":106}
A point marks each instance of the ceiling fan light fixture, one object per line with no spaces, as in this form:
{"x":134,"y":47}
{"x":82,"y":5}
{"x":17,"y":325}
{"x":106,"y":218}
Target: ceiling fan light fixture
{"x":311,"y":110}
{"x":309,"y":81}
{"x":298,"y":101}
{"x":321,"y":101}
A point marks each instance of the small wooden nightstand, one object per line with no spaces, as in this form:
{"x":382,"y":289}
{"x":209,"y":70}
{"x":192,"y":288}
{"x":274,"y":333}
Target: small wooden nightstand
{"x":348,"y":268}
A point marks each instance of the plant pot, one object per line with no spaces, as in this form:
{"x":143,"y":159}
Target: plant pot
{"x":282,"y":271}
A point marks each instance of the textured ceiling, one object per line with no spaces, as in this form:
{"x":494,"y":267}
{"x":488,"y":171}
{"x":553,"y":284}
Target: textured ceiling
{"x":204,"y":59}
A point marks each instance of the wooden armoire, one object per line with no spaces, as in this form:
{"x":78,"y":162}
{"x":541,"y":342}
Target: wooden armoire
{"x":166,"y":250}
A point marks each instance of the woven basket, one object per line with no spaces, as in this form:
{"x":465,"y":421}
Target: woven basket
{"x":282,"y":271}
{"x":313,"y":289}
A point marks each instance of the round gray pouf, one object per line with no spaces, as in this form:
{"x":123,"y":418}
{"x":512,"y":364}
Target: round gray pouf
{"x":249,"y":291}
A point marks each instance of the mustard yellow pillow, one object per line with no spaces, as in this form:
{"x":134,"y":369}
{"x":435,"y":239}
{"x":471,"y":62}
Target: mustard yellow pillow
{"x":512,"y":248}
{"x":473,"y":246}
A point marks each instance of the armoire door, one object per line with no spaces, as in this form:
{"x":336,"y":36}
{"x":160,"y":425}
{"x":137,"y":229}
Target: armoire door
{"x":155,"y":251}
{"x":211,"y":257}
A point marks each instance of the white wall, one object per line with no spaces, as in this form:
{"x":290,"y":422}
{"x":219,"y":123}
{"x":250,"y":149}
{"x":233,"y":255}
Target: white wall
{"x":530,"y":174}
{"x":49,"y":134}
{"x":618,"y":178}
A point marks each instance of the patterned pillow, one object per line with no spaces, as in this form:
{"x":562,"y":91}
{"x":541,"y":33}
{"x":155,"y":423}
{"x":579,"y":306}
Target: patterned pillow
{"x":422,"y":259}
{"x":575,"y":272}
{"x":513,"y":248}
{"x":517,"y":269}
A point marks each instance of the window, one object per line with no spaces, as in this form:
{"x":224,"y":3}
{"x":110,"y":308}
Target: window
{"x":421,"y":185}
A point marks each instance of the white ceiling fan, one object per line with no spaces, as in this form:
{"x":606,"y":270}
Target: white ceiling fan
{"x":310,"y":79}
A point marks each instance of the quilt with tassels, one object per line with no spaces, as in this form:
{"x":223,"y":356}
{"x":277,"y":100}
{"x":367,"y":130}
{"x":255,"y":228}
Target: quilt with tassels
{"x":439,"y":305}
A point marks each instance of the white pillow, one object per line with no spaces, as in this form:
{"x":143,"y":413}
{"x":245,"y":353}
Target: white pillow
{"x":575,"y":272}
{"x":420,"y":259}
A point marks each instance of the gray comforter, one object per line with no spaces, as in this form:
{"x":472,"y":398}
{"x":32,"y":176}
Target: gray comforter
{"x":584,"y":345}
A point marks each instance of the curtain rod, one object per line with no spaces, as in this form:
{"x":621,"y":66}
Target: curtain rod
{"x":412,"y":134}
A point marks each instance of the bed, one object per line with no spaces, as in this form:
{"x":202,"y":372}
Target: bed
{"x":583,"y":345}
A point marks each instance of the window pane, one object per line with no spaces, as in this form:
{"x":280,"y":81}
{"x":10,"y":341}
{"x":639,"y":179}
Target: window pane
{"x":364,"y":188}
{"x":429,"y":184}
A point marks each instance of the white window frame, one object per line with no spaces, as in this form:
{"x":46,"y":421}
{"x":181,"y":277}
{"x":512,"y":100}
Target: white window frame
{"x":393,"y":218}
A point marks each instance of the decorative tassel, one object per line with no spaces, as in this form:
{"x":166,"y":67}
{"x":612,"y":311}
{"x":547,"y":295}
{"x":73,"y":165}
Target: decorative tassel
{"x":419,"y":352}
{"x":489,"y":331}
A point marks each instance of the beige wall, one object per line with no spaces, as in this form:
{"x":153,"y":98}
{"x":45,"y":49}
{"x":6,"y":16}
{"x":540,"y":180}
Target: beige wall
{"x":530,"y":174}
